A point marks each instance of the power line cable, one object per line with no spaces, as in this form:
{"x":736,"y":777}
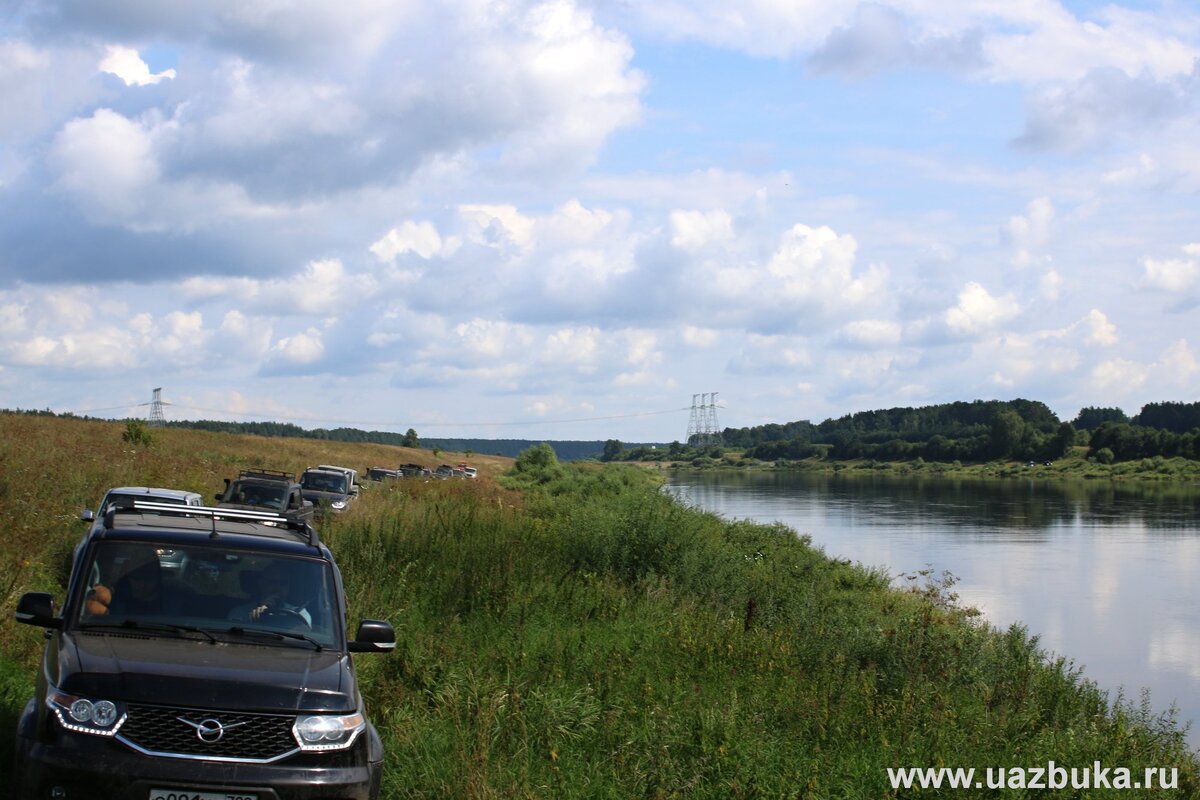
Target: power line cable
{"x":393,"y":423}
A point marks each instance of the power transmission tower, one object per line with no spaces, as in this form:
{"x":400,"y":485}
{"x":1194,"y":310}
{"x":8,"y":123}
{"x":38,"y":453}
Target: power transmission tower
{"x":702,"y":426}
{"x":712,"y":430}
{"x":156,"y":419}
{"x":693,"y":421}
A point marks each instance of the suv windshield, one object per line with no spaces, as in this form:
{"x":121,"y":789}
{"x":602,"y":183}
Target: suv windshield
{"x":144,"y":585}
{"x":324,"y":482}
{"x":256,"y":494}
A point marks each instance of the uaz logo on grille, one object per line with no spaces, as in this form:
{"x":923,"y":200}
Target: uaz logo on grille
{"x":209,"y":730}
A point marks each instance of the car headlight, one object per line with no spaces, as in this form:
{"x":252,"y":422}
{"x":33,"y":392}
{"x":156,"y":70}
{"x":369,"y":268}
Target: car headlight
{"x":328,"y":731}
{"x":84,"y":714}
{"x":338,"y":505}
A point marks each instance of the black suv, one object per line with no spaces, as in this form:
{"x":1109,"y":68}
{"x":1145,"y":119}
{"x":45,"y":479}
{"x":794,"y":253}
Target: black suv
{"x":266,"y":490}
{"x":229,"y":680}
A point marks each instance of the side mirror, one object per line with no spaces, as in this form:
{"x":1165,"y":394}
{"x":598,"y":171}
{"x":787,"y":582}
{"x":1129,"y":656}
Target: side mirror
{"x":374,"y":636}
{"x":37,"y":608}
{"x":88,"y":515}
{"x":218,"y":497}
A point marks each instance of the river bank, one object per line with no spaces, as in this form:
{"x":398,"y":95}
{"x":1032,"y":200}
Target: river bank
{"x":1074,"y":466}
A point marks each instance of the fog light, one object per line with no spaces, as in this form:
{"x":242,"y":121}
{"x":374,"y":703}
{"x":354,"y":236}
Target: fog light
{"x":104,"y":713}
{"x":58,"y":793}
{"x":81,"y":711}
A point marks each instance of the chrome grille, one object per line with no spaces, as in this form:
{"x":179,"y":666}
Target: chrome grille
{"x":247,"y":737}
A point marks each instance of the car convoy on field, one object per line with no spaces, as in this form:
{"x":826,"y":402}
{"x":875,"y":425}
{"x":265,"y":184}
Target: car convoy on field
{"x":203,"y":652}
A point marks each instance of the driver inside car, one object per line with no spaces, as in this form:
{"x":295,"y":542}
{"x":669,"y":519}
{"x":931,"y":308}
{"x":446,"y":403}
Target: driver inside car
{"x":272,"y":603}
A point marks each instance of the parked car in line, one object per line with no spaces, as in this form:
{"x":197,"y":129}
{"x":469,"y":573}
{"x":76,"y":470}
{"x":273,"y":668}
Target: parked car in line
{"x":235,"y":681}
{"x":266,"y":490}
{"x":326,"y":488}
{"x":172,"y":560}
{"x":414,"y":471}
{"x":383,"y":474}
{"x":157,"y":494}
{"x":350,"y":471}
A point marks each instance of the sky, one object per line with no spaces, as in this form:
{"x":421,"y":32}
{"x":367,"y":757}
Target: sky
{"x":566,"y":219}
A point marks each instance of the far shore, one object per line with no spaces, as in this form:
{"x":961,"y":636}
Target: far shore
{"x":1075,"y":466}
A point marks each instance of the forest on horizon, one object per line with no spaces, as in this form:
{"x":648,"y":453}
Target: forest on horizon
{"x":966,"y":431}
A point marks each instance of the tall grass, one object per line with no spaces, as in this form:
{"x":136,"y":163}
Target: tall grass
{"x":575,"y":633}
{"x":605,"y":642}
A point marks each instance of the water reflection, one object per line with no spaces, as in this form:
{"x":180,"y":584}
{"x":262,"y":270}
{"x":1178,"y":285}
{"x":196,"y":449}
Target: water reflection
{"x":1103,"y":573}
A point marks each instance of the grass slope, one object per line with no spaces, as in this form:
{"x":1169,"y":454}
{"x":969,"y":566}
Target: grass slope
{"x":574,"y":633}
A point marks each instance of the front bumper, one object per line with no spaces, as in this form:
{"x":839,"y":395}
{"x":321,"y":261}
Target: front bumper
{"x":89,"y":767}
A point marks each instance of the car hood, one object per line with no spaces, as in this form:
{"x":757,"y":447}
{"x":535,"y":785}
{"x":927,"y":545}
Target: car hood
{"x":195,"y":672}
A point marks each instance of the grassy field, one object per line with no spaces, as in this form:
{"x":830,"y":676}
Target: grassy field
{"x":568,"y":631}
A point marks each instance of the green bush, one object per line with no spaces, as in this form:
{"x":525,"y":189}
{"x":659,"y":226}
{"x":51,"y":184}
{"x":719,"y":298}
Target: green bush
{"x":137,"y":433}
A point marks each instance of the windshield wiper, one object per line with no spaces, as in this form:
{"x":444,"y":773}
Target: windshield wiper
{"x":157,"y":627}
{"x":240,"y":631}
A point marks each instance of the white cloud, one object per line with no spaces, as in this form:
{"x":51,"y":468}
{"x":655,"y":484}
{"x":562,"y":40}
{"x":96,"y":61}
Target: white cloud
{"x":1030,"y":232}
{"x":242,"y":337}
{"x":1142,"y":167}
{"x":182,"y":339}
{"x":1058,"y":46}
{"x":978,"y":311}
{"x":760,"y":27}
{"x":323,"y":288}
{"x":127,"y":64}
{"x":12,"y":320}
{"x":1117,"y":375}
{"x":579,"y":348}
{"x":771,"y":356}
{"x":1018,"y":359}
{"x":574,"y":224}
{"x":815,"y":266}
{"x":1050,"y":285}
{"x":304,"y":347}
{"x":1173,"y":274}
{"x":577,"y":69}
{"x":699,"y":337}
{"x":491,"y":341}
{"x":409,"y":237}
{"x":498,"y":226}
{"x":106,"y":162}
{"x":1100,"y":330}
{"x":1033,"y":41}
{"x":1178,"y":364}
{"x":695,"y":230}
{"x":874,"y":333}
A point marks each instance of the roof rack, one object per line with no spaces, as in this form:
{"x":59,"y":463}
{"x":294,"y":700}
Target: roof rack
{"x":303,"y":530}
{"x":268,"y":474}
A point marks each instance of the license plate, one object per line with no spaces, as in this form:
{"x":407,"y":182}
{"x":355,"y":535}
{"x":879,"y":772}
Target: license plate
{"x":189,"y":794}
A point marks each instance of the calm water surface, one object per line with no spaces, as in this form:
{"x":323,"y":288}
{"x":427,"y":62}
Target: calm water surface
{"x":1106,"y":575}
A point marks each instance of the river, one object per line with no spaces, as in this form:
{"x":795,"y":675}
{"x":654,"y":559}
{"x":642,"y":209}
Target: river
{"x":1105,"y":574}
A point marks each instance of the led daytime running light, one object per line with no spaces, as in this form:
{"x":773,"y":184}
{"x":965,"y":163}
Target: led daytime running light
{"x":79,"y":714}
{"x":327,"y":732}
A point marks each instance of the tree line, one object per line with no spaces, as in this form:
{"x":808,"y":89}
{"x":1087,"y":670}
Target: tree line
{"x":976,"y":431}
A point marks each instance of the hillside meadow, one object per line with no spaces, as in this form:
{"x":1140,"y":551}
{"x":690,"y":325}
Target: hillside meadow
{"x":568,"y":631}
